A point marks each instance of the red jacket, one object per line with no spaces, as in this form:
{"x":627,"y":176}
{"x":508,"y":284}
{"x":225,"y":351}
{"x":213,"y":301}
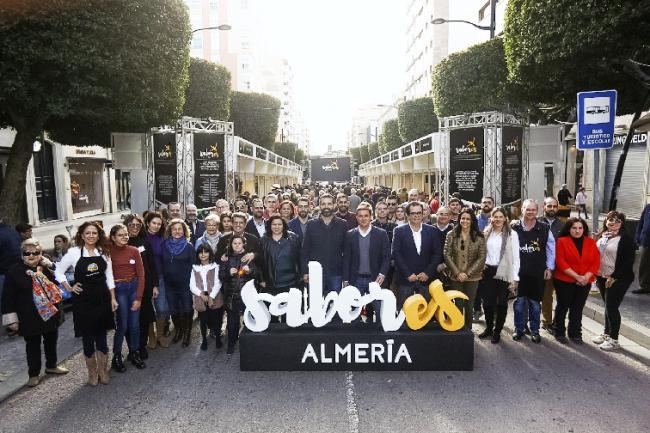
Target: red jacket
{"x":567,"y":257}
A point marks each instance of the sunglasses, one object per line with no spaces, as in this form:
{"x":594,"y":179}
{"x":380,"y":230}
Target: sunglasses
{"x":30,"y":253}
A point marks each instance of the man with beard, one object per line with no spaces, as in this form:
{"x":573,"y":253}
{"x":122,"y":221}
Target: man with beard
{"x":487,"y":204}
{"x":257,"y":225}
{"x":391,"y":202}
{"x":324,"y":242}
{"x":550,"y":218}
{"x":343,"y":205}
{"x":240,"y":205}
{"x":381,"y":221}
{"x":298,"y":225}
{"x":195,"y":225}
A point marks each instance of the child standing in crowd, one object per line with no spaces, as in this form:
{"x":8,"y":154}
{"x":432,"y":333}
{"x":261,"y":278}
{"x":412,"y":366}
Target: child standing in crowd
{"x":234,"y":275}
{"x":206,"y":291}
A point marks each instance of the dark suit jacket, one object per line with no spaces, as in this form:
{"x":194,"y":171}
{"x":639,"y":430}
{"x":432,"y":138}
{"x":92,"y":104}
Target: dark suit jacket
{"x":251,"y":228}
{"x":406,"y":257}
{"x":296,"y":227}
{"x":379,"y":253}
{"x":197,"y":232}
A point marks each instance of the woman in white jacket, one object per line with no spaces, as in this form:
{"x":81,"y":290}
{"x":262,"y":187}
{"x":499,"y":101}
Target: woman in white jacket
{"x":206,"y":290}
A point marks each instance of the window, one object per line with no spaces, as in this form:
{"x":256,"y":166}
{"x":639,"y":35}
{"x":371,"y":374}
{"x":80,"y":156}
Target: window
{"x":86,"y":185}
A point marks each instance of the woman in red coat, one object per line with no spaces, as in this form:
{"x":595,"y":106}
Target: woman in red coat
{"x":577,"y":261}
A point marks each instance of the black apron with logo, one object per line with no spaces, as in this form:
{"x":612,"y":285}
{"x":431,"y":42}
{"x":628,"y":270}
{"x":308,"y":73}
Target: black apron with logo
{"x":91,"y":309}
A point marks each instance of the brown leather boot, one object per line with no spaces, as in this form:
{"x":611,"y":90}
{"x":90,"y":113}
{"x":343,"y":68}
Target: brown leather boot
{"x":102,"y":367}
{"x":91,"y":364}
{"x":151,"y":339}
{"x":162,"y":339}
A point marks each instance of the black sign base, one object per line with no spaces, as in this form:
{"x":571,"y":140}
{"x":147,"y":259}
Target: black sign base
{"x":355,"y":347}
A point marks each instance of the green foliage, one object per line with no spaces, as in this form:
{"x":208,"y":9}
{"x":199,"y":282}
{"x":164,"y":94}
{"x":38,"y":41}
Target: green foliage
{"x":472,"y":80}
{"x":286,"y":150}
{"x":355,"y":153}
{"x":208,"y":92}
{"x":556,"y":48}
{"x":416,"y":119}
{"x":389,"y":138}
{"x":373,"y":150}
{"x":256,"y":117}
{"x":300,"y":156}
{"x":363,"y":153}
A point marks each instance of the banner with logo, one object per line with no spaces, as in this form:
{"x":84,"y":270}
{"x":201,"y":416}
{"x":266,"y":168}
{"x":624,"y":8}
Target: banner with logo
{"x":466,"y":163}
{"x":165,"y":167}
{"x":331,"y":169}
{"x":209,"y":169}
{"x":511,"y":163}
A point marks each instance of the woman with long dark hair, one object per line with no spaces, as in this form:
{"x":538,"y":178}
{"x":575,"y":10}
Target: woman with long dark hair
{"x":178,"y":256}
{"x":128,"y":274}
{"x":154,"y":225}
{"x":577,"y":262}
{"x":464,"y":255}
{"x":501,"y":273}
{"x":137,"y":239}
{"x":616,"y":274}
{"x":281,"y":256}
{"x":206,"y":290}
{"x":31,"y":307}
{"x":93,"y":299}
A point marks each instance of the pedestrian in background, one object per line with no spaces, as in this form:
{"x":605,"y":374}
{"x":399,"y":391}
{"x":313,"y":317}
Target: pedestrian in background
{"x":128,"y":274}
{"x":155,"y":229}
{"x":577,"y":262}
{"x":501,"y":273}
{"x":464,"y":256}
{"x":206,"y":290}
{"x":581,"y":202}
{"x":616,"y":274}
{"x":31,"y":307}
{"x":137,"y":239}
{"x":93,"y":299}
{"x":178,"y":256}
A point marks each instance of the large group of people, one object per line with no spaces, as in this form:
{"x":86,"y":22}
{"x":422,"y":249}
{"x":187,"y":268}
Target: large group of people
{"x":146,"y":278}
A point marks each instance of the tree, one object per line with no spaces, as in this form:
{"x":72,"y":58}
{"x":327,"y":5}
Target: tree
{"x":364,"y":154}
{"x":373,"y":150}
{"x":286,"y":150}
{"x":472,"y":80}
{"x":556,"y":48}
{"x":208,"y":92}
{"x":389,"y":137}
{"x":355,"y":153}
{"x":80,"y":69}
{"x":300,"y":156}
{"x":416,"y":118}
{"x":256,"y":117}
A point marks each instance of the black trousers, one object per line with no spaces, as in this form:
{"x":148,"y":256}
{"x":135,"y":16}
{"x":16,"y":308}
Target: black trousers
{"x":571,"y":298}
{"x":612,"y":297}
{"x":33,"y":350}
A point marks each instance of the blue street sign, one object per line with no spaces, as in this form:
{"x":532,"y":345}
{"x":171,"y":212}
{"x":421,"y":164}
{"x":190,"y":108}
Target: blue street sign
{"x":596,"y":114}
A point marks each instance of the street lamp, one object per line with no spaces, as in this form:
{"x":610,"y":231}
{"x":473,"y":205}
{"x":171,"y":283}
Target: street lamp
{"x":491,"y":27}
{"x":219,"y":27}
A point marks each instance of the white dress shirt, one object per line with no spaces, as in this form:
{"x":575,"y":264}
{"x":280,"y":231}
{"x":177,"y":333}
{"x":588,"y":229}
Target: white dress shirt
{"x":417,"y":238}
{"x":72,"y":257}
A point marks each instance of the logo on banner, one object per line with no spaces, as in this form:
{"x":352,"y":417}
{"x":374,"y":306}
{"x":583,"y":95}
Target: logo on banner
{"x":166,"y":152}
{"x":513,"y":146}
{"x":467,"y":148}
{"x":417,"y":312}
{"x":211,"y":153}
{"x":332,"y":166}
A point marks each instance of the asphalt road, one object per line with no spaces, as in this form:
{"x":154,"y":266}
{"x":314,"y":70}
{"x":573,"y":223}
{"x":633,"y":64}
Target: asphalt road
{"x":515,"y":387}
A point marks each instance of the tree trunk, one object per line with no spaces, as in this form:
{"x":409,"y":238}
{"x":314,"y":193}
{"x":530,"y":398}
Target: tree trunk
{"x":12,"y":195}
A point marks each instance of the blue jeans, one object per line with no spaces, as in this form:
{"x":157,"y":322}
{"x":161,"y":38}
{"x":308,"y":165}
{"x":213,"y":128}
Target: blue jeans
{"x":332,"y":283}
{"x":534,"y":308}
{"x":160,"y":303}
{"x":127,"y":320}
{"x":362,"y":283}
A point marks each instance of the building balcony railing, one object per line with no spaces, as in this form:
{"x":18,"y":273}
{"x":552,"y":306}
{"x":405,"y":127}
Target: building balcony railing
{"x":251,"y":150}
{"x":420,"y":146}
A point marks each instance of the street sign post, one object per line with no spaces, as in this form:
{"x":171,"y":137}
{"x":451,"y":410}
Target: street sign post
{"x":596,"y":114}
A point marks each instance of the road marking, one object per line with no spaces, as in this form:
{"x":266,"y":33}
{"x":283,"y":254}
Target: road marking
{"x":353,"y":413}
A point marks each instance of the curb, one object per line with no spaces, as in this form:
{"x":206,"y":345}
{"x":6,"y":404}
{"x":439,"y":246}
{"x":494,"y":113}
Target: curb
{"x":629,"y":329}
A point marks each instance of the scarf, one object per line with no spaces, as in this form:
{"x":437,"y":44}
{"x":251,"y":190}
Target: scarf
{"x":45,"y":294}
{"x":504,"y":270}
{"x":212,"y":240}
{"x":176,"y":246}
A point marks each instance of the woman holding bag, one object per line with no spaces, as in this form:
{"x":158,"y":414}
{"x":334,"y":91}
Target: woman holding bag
{"x":30,"y":306}
{"x":206,"y":290}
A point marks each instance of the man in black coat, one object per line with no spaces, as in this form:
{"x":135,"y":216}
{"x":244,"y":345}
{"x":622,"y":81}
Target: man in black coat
{"x":196,"y":226}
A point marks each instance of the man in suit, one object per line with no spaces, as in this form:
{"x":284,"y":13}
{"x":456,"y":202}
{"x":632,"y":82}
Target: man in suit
{"x":417,"y":254}
{"x":298,"y":225}
{"x":197,"y":227}
{"x":366,"y":256}
{"x":550,"y":218}
{"x":256,"y":226}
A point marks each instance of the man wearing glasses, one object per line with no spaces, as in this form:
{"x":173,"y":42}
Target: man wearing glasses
{"x":391,"y":202}
{"x":417,"y":254}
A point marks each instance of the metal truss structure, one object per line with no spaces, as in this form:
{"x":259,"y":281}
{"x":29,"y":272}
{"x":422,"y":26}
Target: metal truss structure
{"x":492,"y":123}
{"x":184,"y":130}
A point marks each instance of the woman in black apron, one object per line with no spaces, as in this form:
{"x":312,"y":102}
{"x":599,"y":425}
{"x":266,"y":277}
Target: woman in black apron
{"x":93,"y":299}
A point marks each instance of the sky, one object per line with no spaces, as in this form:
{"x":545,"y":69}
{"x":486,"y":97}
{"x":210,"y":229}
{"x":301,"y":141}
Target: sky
{"x":345,"y":54}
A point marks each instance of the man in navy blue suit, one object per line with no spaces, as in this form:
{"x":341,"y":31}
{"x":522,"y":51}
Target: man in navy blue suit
{"x":417,"y":254}
{"x":366,"y":256}
{"x":196,"y":226}
{"x":298,"y":225}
